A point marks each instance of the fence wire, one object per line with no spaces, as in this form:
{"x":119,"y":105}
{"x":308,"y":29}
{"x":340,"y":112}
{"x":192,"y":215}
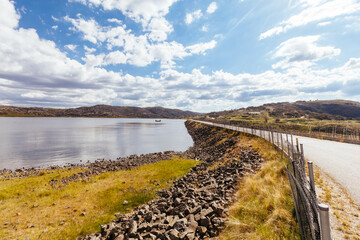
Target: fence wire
{"x":305,"y":199}
{"x":305,"y":202}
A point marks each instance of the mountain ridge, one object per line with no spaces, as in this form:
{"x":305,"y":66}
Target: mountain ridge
{"x":96,"y":111}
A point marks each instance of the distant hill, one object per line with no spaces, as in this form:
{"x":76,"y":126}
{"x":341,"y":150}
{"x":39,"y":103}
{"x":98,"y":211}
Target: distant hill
{"x":96,"y":111}
{"x":319,"y":109}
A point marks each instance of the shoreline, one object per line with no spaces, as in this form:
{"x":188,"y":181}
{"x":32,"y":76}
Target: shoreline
{"x":120,"y":163}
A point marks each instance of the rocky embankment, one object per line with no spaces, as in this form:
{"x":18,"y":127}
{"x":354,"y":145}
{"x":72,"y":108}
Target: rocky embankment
{"x":195,"y":207}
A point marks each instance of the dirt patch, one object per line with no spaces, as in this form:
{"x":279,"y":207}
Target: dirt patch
{"x":344,"y":212}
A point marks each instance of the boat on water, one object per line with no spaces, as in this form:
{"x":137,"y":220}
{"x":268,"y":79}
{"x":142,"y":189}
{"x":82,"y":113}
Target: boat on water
{"x":158,"y":120}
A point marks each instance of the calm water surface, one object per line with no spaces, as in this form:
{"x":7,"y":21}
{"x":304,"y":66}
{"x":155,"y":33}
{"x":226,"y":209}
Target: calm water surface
{"x":34,"y":142}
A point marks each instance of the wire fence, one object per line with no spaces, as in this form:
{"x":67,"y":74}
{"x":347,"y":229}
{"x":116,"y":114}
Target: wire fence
{"x":312,"y":217}
{"x":348,"y":134}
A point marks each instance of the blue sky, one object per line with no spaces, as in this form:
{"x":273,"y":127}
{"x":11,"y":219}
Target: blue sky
{"x":193,"y":55}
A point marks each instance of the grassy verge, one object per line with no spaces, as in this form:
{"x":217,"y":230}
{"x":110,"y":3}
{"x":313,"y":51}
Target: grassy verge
{"x":29,"y":207}
{"x":264,"y":207}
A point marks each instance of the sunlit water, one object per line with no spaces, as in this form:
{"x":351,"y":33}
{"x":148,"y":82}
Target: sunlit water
{"x":34,"y":142}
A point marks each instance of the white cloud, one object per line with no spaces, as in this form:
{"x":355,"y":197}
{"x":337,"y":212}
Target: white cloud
{"x":55,"y":27}
{"x":302,"y":50}
{"x":89,"y":50}
{"x":271,"y":32}
{"x":34,"y":72}
{"x":159,"y":28}
{"x":71,"y":47}
{"x":90,"y":28}
{"x":55,"y":19}
{"x":34,"y":94}
{"x":212,"y":8}
{"x":139,"y":50}
{"x":114,"y":20}
{"x":31,"y":63}
{"x":201,"y":48}
{"x":191,"y":17}
{"x":322,"y":24}
{"x":315,"y":11}
{"x":204,"y":28}
{"x":134,"y":9}
{"x":143,"y":12}
{"x":8,"y":16}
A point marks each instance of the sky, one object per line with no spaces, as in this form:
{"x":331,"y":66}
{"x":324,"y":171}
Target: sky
{"x":196,"y":55}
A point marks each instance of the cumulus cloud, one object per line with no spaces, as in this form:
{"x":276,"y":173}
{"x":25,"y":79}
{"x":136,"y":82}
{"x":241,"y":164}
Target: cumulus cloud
{"x":35,"y":71}
{"x":149,"y":13}
{"x":71,"y":47}
{"x":315,"y":11}
{"x":8,"y":15}
{"x":114,"y":20}
{"x":29,"y":62}
{"x":212,"y":8}
{"x":135,"y":50}
{"x":135,"y":9}
{"x":302,"y":50}
{"x":191,"y":17}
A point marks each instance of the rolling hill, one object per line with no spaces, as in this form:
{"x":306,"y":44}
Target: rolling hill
{"x":95,"y":111}
{"x":319,"y":109}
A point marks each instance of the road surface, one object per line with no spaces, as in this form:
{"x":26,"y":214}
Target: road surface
{"x":339,"y":160}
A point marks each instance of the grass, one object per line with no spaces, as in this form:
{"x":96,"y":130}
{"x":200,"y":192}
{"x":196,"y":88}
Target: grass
{"x":29,"y":207}
{"x":264,"y":207}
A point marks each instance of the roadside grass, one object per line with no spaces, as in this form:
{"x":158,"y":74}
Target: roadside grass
{"x":30,"y":208}
{"x":264,"y":207}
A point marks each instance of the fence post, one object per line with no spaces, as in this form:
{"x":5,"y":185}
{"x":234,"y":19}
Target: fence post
{"x":311,"y":176}
{"x":292,"y":148}
{"x":302,"y":155}
{"x":324,"y":222}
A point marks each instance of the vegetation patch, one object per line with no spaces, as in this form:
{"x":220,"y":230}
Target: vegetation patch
{"x":29,"y":207}
{"x":264,"y":208}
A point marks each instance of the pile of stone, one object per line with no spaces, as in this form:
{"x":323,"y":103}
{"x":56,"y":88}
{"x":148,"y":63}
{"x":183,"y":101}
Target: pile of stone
{"x":125,"y":163}
{"x":195,"y":206}
{"x":92,"y":168}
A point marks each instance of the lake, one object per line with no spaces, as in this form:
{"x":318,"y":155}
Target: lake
{"x":40,"y":142}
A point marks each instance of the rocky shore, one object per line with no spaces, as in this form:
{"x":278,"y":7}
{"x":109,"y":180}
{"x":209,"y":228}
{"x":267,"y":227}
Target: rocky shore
{"x":92,"y":168}
{"x":195,"y":207}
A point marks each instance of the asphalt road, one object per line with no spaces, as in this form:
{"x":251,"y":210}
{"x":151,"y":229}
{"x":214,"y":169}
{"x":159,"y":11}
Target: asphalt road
{"x":339,"y":160}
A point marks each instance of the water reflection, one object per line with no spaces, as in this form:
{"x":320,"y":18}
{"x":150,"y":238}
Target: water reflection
{"x":27,"y":142}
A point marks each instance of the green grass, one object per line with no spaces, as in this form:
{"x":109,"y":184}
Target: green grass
{"x":56,"y":213}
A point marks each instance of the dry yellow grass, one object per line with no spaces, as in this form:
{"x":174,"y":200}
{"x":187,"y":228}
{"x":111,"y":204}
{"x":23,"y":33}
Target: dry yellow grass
{"x":264,"y":207}
{"x":31,"y":208}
